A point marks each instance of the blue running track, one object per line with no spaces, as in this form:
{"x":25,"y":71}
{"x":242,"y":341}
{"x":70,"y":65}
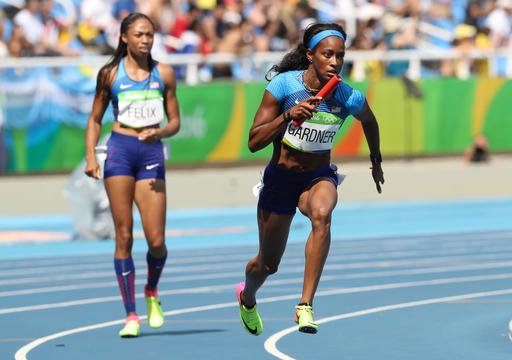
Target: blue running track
{"x":413,"y":280}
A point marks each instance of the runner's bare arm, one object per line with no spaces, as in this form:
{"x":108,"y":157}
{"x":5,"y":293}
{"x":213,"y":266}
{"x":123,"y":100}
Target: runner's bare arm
{"x":371,"y":132}
{"x":92,"y":132}
{"x":268,"y":121}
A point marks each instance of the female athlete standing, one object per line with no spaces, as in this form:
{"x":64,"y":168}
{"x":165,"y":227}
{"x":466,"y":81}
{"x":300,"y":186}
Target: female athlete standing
{"x":143,"y":93}
{"x":299,"y":173}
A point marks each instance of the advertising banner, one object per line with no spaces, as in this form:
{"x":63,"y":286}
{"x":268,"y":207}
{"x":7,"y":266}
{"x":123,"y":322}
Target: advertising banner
{"x":45,"y":111}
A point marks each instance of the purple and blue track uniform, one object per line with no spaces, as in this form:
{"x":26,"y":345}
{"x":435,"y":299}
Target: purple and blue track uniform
{"x":136,"y":104}
{"x":127,"y":155}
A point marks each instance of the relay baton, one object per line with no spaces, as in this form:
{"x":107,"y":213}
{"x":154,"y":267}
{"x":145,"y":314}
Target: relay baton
{"x":331,"y":84}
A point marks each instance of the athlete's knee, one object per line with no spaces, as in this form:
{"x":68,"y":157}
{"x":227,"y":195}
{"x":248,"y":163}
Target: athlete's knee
{"x":124,"y":237}
{"x":157,"y":251}
{"x":271,"y":269}
{"x":270,"y":266}
{"x":155,"y":239}
{"x":124,"y":243}
{"x":257,"y":265}
{"x":253,"y":266}
{"x":321,"y":217}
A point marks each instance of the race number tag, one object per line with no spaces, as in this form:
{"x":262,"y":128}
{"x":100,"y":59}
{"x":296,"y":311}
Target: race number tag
{"x":140,"y":108}
{"x":315,"y":134}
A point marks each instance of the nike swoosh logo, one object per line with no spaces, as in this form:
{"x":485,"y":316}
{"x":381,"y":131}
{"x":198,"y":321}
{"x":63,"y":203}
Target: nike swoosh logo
{"x":149,"y":167}
{"x":126,"y":273}
{"x":252,"y":331}
{"x":125,"y":86}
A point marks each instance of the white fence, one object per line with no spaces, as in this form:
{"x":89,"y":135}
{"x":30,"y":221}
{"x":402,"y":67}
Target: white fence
{"x":258,"y":63}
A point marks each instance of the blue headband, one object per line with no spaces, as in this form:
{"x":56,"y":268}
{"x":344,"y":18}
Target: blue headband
{"x":322,"y":35}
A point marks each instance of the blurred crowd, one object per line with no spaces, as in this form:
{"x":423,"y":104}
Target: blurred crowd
{"x":76,"y":27}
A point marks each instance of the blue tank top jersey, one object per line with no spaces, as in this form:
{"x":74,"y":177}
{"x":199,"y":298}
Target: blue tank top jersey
{"x":138,"y":103}
{"x":317,"y":133}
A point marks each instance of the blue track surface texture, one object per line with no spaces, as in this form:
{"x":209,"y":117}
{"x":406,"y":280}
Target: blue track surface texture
{"x":415,"y":280}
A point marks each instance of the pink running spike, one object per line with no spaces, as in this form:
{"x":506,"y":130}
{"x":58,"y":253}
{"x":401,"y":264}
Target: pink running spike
{"x":133,"y":317}
{"x":239,"y":288}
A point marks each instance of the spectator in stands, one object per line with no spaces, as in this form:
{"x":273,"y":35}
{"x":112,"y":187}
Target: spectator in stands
{"x":123,"y":8}
{"x":458,"y":8}
{"x":31,"y":26}
{"x":405,"y":8}
{"x":50,"y":39}
{"x":369,"y":24}
{"x":214,"y":25}
{"x":369,"y":37}
{"x":256,"y":12}
{"x":209,"y":26}
{"x":477,"y":11}
{"x":229,"y":43}
{"x":286,"y":16}
{"x":303,"y":16}
{"x":401,"y":34}
{"x":18,"y":46}
{"x":499,"y":23}
{"x":152,"y":8}
{"x":272,"y":37}
{"x":183,"y":22}
{"x":439,"y":14}
{"x":206,"y":5}
{"x":96,"y":18}
{"x":464,"y":41}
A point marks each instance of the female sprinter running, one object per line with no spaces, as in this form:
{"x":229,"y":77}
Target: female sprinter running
{"x":143,"y":93}
{"x":299,"y":173}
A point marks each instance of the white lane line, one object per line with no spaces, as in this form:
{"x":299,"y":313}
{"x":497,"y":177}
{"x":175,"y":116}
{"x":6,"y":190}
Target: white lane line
{"x":104,"y":284}
{"x":102,"y":274}
{"x":381,"y":253}
{"x":355,"y":245}
{"x":434,"y":237}
{"x":217,"y":288}
{"x":332,"y":258}
{"x":21,"y":354}
{"x":208,"y":268}
{"x":342,"y":241}
{"x":271,"y":342}
{"x":194,"y":290}
{"x":472,"y":246}
{"x":227,"y":275}
{"x":174,"y":254}
{"x":86,"y":259}
{"x":109,"y":264}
